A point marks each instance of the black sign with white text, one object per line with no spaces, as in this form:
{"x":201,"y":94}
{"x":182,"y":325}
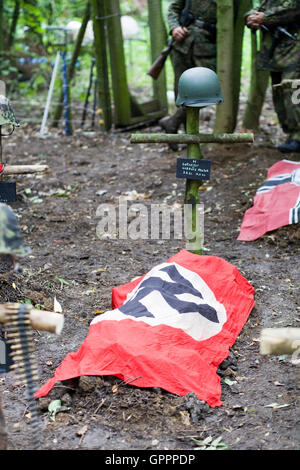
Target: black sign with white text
{"x":191,"y":168}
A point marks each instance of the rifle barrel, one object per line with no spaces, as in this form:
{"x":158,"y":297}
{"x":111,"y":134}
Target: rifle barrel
{"x":281,"y":30}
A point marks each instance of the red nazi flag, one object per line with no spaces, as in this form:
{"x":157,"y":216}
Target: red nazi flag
{"x":170,"y":328}
{"x":276,"y":203}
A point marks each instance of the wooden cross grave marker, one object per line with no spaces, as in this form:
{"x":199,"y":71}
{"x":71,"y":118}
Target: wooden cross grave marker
{"x":197,"y":169}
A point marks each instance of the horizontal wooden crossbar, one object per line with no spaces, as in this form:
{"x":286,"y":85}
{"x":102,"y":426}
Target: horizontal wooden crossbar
{"x":191,"y":139}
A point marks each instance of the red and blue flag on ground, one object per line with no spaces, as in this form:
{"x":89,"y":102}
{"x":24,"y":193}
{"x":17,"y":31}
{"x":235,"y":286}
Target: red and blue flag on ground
{"x":170,"y":328}
{"x":276,"y":203}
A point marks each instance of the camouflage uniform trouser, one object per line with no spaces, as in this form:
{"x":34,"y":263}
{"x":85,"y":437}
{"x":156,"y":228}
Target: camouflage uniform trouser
{"x":288,"y":112}
{"x":182,"y":62}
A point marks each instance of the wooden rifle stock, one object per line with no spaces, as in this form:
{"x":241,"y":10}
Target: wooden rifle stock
{"x":159,"y":63}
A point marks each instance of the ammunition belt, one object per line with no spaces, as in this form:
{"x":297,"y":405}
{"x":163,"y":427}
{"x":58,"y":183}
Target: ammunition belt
{"x":20,"y":339}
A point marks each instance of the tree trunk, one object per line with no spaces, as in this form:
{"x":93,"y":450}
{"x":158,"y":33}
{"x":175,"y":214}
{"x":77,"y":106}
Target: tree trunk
{"x":225,"y":39}
{"x":158,"y":38}
{"x":100,"y":41}
{"x":258,"y":87}
{"x":71,"y":68}
{"x":122,"y":107}
{"x":13,"y":26}
{"x":239,"y":28}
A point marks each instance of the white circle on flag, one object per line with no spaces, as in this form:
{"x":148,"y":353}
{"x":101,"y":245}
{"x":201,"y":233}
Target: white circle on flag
{"x":172,"y":295}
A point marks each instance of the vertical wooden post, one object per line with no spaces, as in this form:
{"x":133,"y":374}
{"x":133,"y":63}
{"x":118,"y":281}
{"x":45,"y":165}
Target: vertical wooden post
{"x":122,"y":106}
{"x":98,"y":17}
{"x":158,"y":38}
{"x":192,"y":186}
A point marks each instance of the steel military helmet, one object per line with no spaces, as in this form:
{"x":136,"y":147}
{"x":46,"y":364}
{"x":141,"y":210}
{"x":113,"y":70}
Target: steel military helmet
{"x":11,"y":241}
{"x":199,"y":87}
{"x":7,"y":116}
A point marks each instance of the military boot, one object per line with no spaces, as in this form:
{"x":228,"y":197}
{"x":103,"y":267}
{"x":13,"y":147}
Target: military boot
{"x":171,"y":124}
{"x":290,"y":146}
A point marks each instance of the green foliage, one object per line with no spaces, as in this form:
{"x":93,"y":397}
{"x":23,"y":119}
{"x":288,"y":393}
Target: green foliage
{"x":32,"y":39}
{"x":7,"y":68}
{"x":210,"y":444}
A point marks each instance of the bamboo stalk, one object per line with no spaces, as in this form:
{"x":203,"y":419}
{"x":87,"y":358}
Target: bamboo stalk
{"x":40,"y":319}
{"x":279,"y":340}
{"x":24,"y":169}
{"x":191,"y":138}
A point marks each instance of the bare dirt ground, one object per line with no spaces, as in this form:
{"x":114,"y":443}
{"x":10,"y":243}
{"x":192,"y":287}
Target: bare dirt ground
{"x":58,"y":220}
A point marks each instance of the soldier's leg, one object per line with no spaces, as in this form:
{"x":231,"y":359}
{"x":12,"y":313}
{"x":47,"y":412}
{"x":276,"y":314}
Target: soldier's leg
{"x":278,"y":100}
{"x":208,"y":62}
{"x":287,"y":106}
{"x":181,"y":62}
{"x":292,"y":105}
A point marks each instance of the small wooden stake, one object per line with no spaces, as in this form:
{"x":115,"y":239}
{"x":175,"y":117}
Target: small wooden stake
{"x":40,"y":319}
{"x":279,"y":340}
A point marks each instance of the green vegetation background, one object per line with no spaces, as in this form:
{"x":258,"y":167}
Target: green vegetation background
{"x":31,"y":33}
